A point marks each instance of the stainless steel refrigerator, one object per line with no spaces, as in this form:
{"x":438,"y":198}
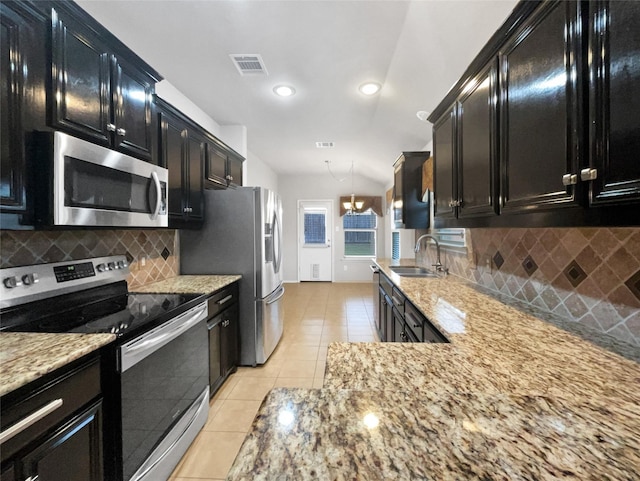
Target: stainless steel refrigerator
{"x":243,"y":235}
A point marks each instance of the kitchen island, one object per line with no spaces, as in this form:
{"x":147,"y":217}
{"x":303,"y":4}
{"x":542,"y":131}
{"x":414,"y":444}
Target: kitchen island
{"x":510,"y":397}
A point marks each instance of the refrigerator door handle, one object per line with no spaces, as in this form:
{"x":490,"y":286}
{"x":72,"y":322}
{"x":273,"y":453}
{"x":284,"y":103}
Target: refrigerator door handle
{"x":278,"y":295}
{"x":277,"y":239}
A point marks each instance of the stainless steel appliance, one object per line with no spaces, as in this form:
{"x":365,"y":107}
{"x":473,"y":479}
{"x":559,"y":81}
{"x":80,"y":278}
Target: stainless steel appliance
{"x":83,"y":184}
{"x":243,"y":235}
{"x":157,"y":371}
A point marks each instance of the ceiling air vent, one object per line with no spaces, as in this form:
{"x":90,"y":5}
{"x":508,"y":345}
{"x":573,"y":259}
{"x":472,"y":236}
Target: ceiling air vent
{"x":324,"y":145}
{"x":249,"y":64}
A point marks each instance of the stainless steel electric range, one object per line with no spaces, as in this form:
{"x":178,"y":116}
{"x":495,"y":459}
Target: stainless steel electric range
{"x":156,"y":373}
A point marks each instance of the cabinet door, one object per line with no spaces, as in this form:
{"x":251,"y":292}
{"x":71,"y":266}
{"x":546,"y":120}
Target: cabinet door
{"x":381,"y":322}
{"x":196,"y":152}
{"x":389,"y":330}
{"x":81,"y":83}
{"x":173,"y":138}
{"x":398,"y":194}
{"x":539,"y":111}
{"x":72,"y":453}
{"x":614,"y":101}
{"x":235,"y":171}
{"x":22,"y":94}
{"x":399,"y":335}
{"x":216,"y":165}
{"x":215,"y":364}
{"x":133,"y":112}
{"x":477,"y":160}
{"x":444,"y":155}
{"x":229,"y":340}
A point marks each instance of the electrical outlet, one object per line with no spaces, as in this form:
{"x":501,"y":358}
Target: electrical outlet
{"x":143,"y":260}
{"x":345,"y":267}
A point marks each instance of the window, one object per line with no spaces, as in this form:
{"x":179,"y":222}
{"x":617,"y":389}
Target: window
{"x":315,"y":227}
{"x":395,"y":245}
{"x":360,"y":234}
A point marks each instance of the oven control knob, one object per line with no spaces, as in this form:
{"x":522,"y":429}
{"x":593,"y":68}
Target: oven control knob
{"x":120,"y":265}
{"x":11,"y":282}
{"x":30,"y":279}
{"x":101,"y":267}
{"x":111,"y":266}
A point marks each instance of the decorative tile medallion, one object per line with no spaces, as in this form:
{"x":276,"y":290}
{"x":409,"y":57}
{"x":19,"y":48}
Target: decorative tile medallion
{"x":633,"y":283}
{"x":165,"y":253}
{"x":575,"y":273}
{"x":498,"y":260}
{"x":529,"y":265}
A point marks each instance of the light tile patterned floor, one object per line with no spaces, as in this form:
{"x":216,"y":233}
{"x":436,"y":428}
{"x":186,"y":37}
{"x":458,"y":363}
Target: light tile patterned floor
{"x":316,"y":314}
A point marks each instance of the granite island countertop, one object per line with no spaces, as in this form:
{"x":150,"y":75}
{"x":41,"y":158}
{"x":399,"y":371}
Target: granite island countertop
{"x":26,"y":356}
{"x":510,"y":397}
{"x":190,"y":284}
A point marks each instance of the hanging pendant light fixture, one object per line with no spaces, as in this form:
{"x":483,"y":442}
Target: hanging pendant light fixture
{"x":354,"y":205}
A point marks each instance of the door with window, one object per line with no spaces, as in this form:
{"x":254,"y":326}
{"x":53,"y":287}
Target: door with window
{"x":315,"y":253}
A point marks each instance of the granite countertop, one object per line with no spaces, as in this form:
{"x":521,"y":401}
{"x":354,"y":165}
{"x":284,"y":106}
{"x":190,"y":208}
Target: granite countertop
{"x":196,"y":284}
{"x":26,"y":356}
{"x":510,"y":397}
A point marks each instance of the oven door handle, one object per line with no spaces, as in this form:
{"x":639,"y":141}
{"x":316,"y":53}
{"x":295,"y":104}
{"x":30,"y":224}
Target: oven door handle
{"x":156,"y":182}
{"x":135,"y":351}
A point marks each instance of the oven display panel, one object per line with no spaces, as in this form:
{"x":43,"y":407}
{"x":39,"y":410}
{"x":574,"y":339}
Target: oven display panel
{"x":74,"y":271}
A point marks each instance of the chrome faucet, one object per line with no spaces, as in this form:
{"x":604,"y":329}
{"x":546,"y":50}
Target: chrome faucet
{"x":438,"y":265}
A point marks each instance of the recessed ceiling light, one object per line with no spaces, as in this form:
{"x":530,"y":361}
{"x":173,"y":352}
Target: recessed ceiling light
{"x":284,"y":90}
{"x":369,"y":88}
{"x":422,"y":115}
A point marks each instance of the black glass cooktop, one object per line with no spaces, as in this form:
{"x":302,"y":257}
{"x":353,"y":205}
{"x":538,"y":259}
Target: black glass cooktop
{"x":110,"y":309}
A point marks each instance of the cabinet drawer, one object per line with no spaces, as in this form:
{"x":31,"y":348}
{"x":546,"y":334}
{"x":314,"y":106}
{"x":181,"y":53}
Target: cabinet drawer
{"x":222,"y":299}
{"x":398,"y":300}
{"x":421,"y":326}
{"x":50,"y":405}
{"x":386,"y":285}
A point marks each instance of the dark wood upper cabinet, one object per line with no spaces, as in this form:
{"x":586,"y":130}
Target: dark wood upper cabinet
{"x":96,"y":95}
{"x":539,"y":113}
{"x":465,"y":152}
{"x":223,"y":166}
{"x":614,"y":75}
{"x":409,"y":212}
{"x":476,"y":125}
{"x":183,"y":150}
{"x":23,"y":63}
{"x":444,"y":165}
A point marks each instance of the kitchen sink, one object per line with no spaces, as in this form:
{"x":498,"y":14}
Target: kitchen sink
{"x":413,"y":271}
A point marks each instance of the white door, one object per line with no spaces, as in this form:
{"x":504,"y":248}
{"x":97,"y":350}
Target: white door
{"x":315,"y":252}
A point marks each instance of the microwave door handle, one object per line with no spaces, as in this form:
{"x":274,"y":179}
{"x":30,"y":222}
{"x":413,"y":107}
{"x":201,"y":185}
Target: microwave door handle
{"x":156,"y":182}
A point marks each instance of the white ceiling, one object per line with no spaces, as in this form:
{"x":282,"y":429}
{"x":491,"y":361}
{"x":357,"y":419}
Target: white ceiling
{"x":325,"y":49}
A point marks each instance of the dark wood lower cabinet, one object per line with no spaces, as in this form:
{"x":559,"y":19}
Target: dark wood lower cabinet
{"x":223,"y":336}
{"x":65,"y":440}
{"x":72,"y":453}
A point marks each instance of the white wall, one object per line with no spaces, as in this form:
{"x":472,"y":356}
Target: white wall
{"x":324,"y":187}
{"x":259,"y":174}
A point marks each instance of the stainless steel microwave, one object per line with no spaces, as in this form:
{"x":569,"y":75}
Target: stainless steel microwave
{"x":83,"y":184}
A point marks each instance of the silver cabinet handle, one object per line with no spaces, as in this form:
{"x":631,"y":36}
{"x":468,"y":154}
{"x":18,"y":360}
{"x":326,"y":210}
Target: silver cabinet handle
{"x":222,"y":301}
{"x":569,"y":179}
{"x":588,"y":174}
{"x":396,"y":301}
{"x":121,"y":132}
{"x":35,"y":477}
{"x":32,"y":418}
{"x":111,"y":127}
{"x":409,"y":316}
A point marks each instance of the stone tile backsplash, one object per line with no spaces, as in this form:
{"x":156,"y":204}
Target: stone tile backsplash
{"x":159,"y":249}
{"x":588,"y":275}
